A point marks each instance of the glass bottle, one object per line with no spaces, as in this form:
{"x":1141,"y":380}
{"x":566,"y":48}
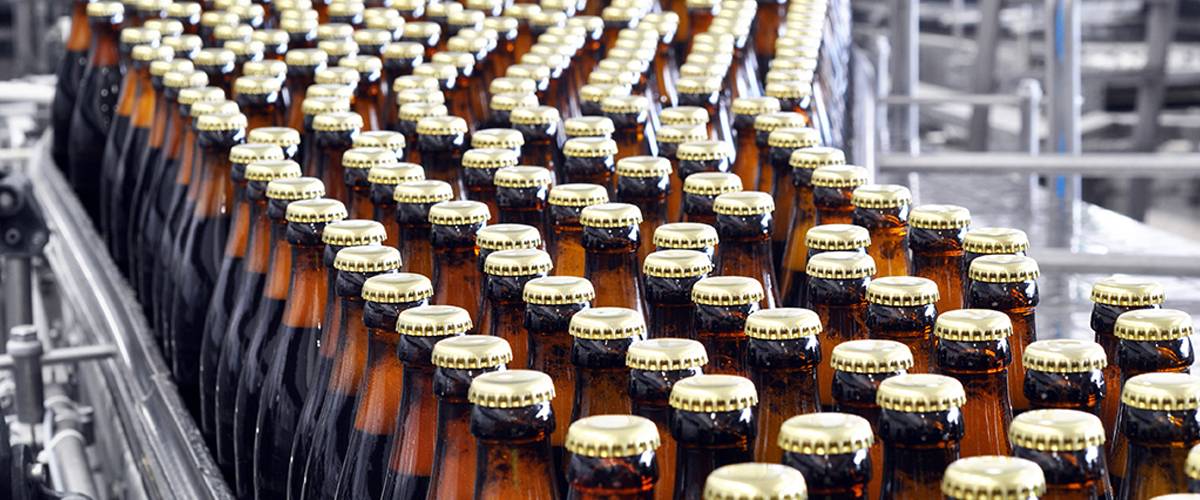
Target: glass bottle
{"x":440,"y":144}
{"x":655,"y":366}
{"x":387,"y":139}
{"x":705,"y":93}
{"x":713,"y":422}
{"x":302,"y":32}
{"x":972,"y":346}
{"x":687,"y":236}
{"x":669,"y":138}
{"x":883,"y":209}
{"x":746,"y":111}
{"x":414,"y":199}
{"x":764,"y":125}
{"x":458,"y":360}
{"x":427,"y":34}
{"x":782,"y":143}
{"x":357,"y":163}
{"x":70,"y":72}
{"x":313,"y":107}
{"x":497,"y":237}
{"x":95,"y":103}
{"x":567,"y":202}
{"x":592,"y":94}
{"x":399,"y":59}
{"x":371,"y":41}
{"x":409,"y":115}
{"x":275,"y":43}
{"x":700,"y":192}
{"x":921,"y":428}
{"x":602,"y":335}
{"x":1068,"y":445}
{"x":368,"y":93}
{"x":756,"y":481}
{"x":610,"y":240}
{"x":512,"y":421}
{"x":803,"y":163}
{"x":901,"y":308}
{"x":1111,"y":297}
{"x":782,"y":357}
{"x":630,"y":115}
{"x":590,"y":160}
{"x":612,"y":456}
{"x":744,"y":221}
{"x":827,"y":238}
{"x":859,"y":366}
{"x":832,"y":451}
{"x":479,"y":171}
{"x":503,"y":306}
{"x":685,"y":115}
{"x":187,"y":13}
{"x":833,"y":190}
{"x":457,"y":279}
{"x":210,"y":20}
{"x":333,"y":134}
{"x":670,"y":276}
{"x":383,"y":180}
{"x":644,"y":181}
{"x":303,"y":65}
{"x":1065,"y":374}
{"x":499,"y":138}
{"x":261,"y":100}
{"x":288,"y":139}
{"x":722,"y":305}
{"x":1158,"y":418}
{"x":837,"y":291}
{"x":973,"y":477}
{"x":220,"y":65}
{"x":336,"y":48}
{"x":502,"y":105}
{"x":521,"y":195}
{"x":1008,"y":283}
{"x":935,"y":244}
{"x":981,"y":241}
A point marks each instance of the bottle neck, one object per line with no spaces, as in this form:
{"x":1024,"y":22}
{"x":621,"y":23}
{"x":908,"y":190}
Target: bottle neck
{"x":104,"y":48}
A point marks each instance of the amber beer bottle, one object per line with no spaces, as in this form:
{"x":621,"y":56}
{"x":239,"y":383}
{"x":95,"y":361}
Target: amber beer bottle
{"x":261,"y":99}
{"x":687,"y":236}
{"x":1065,"y":374}
{"x":722,"y":305}
{"x":782,"y":357}
{"x":972,"y":346}
{"x":1111,"y":297}
{"x":1068,"y":446}
{"x":440,"y":144}
{"x":746,"y":111}
{"x":1008,"y":283}
{"x":135,"y":80}
{"x":783,"y":144}
{"x":654,"y":367}
{"x":521,"y":194}
{"x":357,"y":164}
{"x":859,"y":366}
{"x":883,"y":209}
{"x":713,"y":423}
{"x":70,"y":72}
{"x":512,"y":421}
{"x":303,"y":65}
{"x":333,"y":135}
{"x":498,"y":138}
{"x":803,"y":163}
{"x":981,"y":241}
{"x":288,"y":139}
{"x":503,"y":306}
{"x":837,"y":292}
{"x":95,"y":103}
{"x":744,"y":223}
{"x":935,"y":244}
{"x":567,"y":202}
{"x":612,"y":456}
{"x":670,"y":276}
{"x":602,"y":337}
{"x":764,"y":125}
{"x":754,"y":481}
{"x":1151,"y":340}
{"x":383,"y":180}
{"x":399,"y":59}
{"x":669,"y":138}
{"x":368,"y":92}
{"x":826,"y":238}
{"x":921,"y":427}
{"x":994,"y":476}
{"x":457,"y":279}
{"x":1159,"y":412}
{"x":902,"y":309}
{"x":387,"y":139}
{"x":644,"y":181}
{"x":589,"y":160}
{"x":710,"y":158}
{"x":611,"y":237}
{"x":497,"y":237}
{"x":832,"y":451}
{"x":414,"y":199}
{"x":479,"y":172}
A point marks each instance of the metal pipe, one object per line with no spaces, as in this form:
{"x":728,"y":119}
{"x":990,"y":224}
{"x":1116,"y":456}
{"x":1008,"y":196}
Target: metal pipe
{"x":1115,"y":165}
{"x":972,"y":99}
{"x":1161,"y":23}
{"x":18,"y":293}
{"x":905,"y":22}
{"x":70,"y":470}
{"x":1063,"y":41}
{"x":1029,"y":91}
{"x":983,"y":79}
{"x":26,"y":351}
{"x":67,"y":355}
{"x":1056,"y":260}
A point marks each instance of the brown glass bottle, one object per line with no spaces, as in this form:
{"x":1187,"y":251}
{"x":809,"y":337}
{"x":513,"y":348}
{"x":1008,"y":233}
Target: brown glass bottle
{"x":503,"y":306}
{"x":498,"y":138}
{"x":541,"y":127}
{"x":669,"y":138}
{"x":612,"y":456}
{"x":456,"y":276}
{"x":357,"y":163}
{"x":70,"y":72}
{"x":590,"y":160}
{"x":783,"y":143}
{"x":333,"y":134}
{"x":1159,"y":419}
{"x":288,"y":139}
{"x":372,"y":41}
{"x":479,"y":171}
{"x":902,"y":309}
{"x":210,"y":20}
{"x":644,"y":181}
{"x":602,"y":336}
{"x":764,"y":125}
{"x":935,"y":244}
{"x":567,"y":202}
{"x":440,"y":144}
{"x":713,"y":423}
{"x":981,"y":241}
{"x":722,"y":305}
{"x":973,"y":477}
{"x":972,"y":346}
{"x":610,"y":239}
{"x":630,"y":115}
{"x":399,"y":59}
{"x":828,"y":238}
{"x":383,"y":180}
{"x":803,"y":163}
{"x":837,"y":291}
{"x":921,"y":427}
{"x":687,"y":236}
{"x":685,"y":115}
{"x":368,"y":90}
{"x":502,"y":105}
{"x":782,"y":357}
{"x":313,"y":107}
{"x":187,"y":13}
{"x":670,"y":276}
{"x":744,"y":222}
{"x":496,"y":237}
{"x":654,"y":367}
{"x":95,"y":103}
{"x":303,"y":65}
{"x":1111,"y":297}
{"x":301,"y":30}
{"x":409,"y":115}
{"x":833,"y":188}
{"x":261,"y":100}
{"x":1008,"y":283}
{"x":859,"y":366}
{"x":883,"y":209}
{"x":388,"y":139}
{"x":700,"y":192}
{"x":1068,"y":446}
{"x":1065,"y":374}
{"x":512,"y":421}
{"x":832,"y":451}
{"x":746,"y":110}
{"x":414,"y":199}
{"x":521,"y":195}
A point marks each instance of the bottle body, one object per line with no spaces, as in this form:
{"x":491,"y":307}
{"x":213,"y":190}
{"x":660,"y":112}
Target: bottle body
{"x":706,"y":442}
{"x":982,"y":367}
{"x":918,"y":446}
{"x":785,"y":374}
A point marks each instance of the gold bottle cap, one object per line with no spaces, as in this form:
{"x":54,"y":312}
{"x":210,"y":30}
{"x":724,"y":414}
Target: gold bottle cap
{"x":367,"y":259}
{"x":338,"y":75}
{"x":214,"y":57}
{"x":782,"y":323}
{"x":306,"y":57}
{"x":1145,"y":325}
{"x":338,"y":48}
{"x":489,"y":6}
{"x":221,"y":122}
{"x":713,"y":393}
{"x":269,"y":68}
{"x":373,"y":37}
{"x":685,"y":236}
{"x":780,"y":119}
{"x":612,"y":436}
{"x":368,"y":157}
{"x":995,"y":240}
{"x":794,"y":137}
{"x":536,"y":115}
{"x":441,"y":125}
{"x":152,"y":5}
{"x":244,"y":48}
{"x":146,"y":53}
{"x":518,"y":262}
{"x":558,"y":290}
{"x":193,"y":95}
{"x":457,"y":60}
{"x":1127,"y":291}
{"x":578,"y":195}
{"x":597,"y":92}
{"x":699,"y":84}
{"x":394,"y":174}
{"x":490,"y":158}
{"x":183,"y":44}
{"x":871,"y":356}
{"x":712,"y":184}
{"x":825,"y":434}
{"x":342,"y":121}
{"x":138,"y":36}
{"x":511,"y":388}
{"x":755,"y":481}
{"x":839,"y":176}
{"x":625,"y":104}
{"x":837,"y":237}
{"x":417,"y":111}
{"x":676,"y":264}
{"x":457,"y":213}
{"x":1056,"y":430}
{"x":881,"y":196}
{"x":320,"y":210}
{"x":427,"y":191}
{"x":204,"y":108}
{"x":1192,"y":466}
{"x":257,"y":85}
{"x":754,"y":106}
{"x":607,"y":323}
{"x":317,"y":106}
{"x":727,"y":291}
{"x":994,"y":477}
{"x":363,"y":64}
{"x":298,"y":25}
{"x":1178,"y":496}
{"x":522,"y":176}
{"x":270,"y":37}
{"x":902,"y":291}
{"x":267,"y":171}
{"x":471,"y":352}
{"x":517,"y":101}
{"x":793,"y":88}
{"x":1064,"y":356}
{"x":501,"y":25}
{"x":506,"y":84}
{"x":796,"y":63}
{"x":1003,"y":269}
{"x":421,"y":30}
{"x":744,"y":203}
{"x":497,"y":138}
{"x":816,"y":157}
{"x":160,"y":68}
{"x":680,"y":134}
{"x":249,"y":153}
{"x":302,"y":188}
{"x":388,"y":139}
{"x":335,"y":31}
{"x":618,"y":14}
{"x":704,"y":151}
{"x":972,"y":325}
{"x":666,"y":354}
{"x":433,"y":321}
{"x":537,"y":73}
{"x":921,"y":393}
{"x":939,"y":217}
{"x":403,"y":50}
{"x":233,"y":33}
{"x":215,"y":18}
{"x":423,"y":95}
{"x":545,"y":19}
{"x":337,"y":90}
{"x":643,"y":166}
{"x":183,"y":10}
{"x":684,"y":115}
{"x":589,"y":126}
{"x":1162,"y":392}
{"x":609,"y":215}
{"x":508,"y":237}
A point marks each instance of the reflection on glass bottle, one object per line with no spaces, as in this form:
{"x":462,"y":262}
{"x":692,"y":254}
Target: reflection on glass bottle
{"x":832,"y":451}
{"x":859,"y":366}
{"x":612,"y":456}
{"x":972,"y":346}
{"x":1068,"y":446}
{"x":921,"y":428}
{"x":782,"y":357}
{"x":1158,"y":417}
{"x":713,"y":422}
{"x":974,"y":476}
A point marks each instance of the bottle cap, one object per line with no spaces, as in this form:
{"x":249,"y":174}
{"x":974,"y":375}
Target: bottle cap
{"x":609,"y":215}
{"x":727,"y":291}
{"x":972,"y":325}
{"x":249,"y":153}
{"x":825,"y":434}
{"x":840,"y":266}
{"x":138,"y":36}
{"x":684,"y":115}
{"x":441,"y":125}
{"x":490,"y":158}
{"x":183,"y":10}
{"x":744,"y":203}
{"x":1056,"y":430}
{"x":268,"y":68}
{"x":789,"y":89}
{"x":794,"y":137}
{"x":339,"y":121}
{"x":394,"y":174}
{"x":706,"y":150}
{"x":214,"y":57}
{"x":338,"y":75}
{"x":1127,"y":291}
{"x":880,"y":196}
{"x":403,"y":50}
{"x":782,"y":323}
{"x":271,"y":37}
{"x":995,"y":240}
{"x":388,"y":139}
{"x":871,"y":356}
{"x":183,"y":44}
{"x":369,"y":157}
{"x":302,"y":188}
{"x":522,"y":176}
{"x":589,"y":147}
{"x":681,"y":133}
{"x":497,"y":138}
{"x":713,"y":393}
{"x":508,"y":237}
{"x":699,"y":85}
{"x":397,"y":288}
{"x":597,"y":92}
{"x":320,"y":210}
{"x":363,"y":64}
{"x":902,"y":291}
{"x":837,"y":237}
{"x":920,"y":393}
{"x":676,"y":264}
{"x":994,"y":477}
{"x":221,"y":107}
{"x":1064,"y":356}
{"x":146,"y":53}
{"x":421,"y":30}
{"x":373,"y":37}
{"x":712,"y":183}
{"x":244,"y":48}
{"x":755,"y":481}
{"x":666,"y":354}
{"x":417,"y":111}
{"x":306,"y":57}
{"x":780,"y":119}
{"x":1003,"y":269}
{"x":183,"y":66}
{"x":816,"y":157}
{"x":405,"y":82}
{"x":625,"y":104}
{"x":513,"y":101}
{"x":607,"y":323}
{"x":685,"y":235}
{"x":367,"y":259}
{"x":316,"y":106}
{"x":839,"y":176}
{"x":345,"y":9}
{"x":338,"y":47}
{"x":335,"y":31}
{"x":939,"y":217}
{"x":518,"y":262}
{"x":578,"y":195}
{"x":537,"y":73}
{"x":643,"y":166}
{"x":427,"y":191}
{"x":475,"y":45}
{"x":353,"y":233}
{"x":457,"y":213}
{"x":458,"y":60}
{"x":511,"y":388}
{"x":221,"y":122}
{"x":471,"y":352}
{"x":210,"y":18}
{"x":267,"y":171}
{"x":1162,"y":392}
{"x":433,"y":321}
{"x":1146,"y":325}
{"x":299,"y":25}
{"x":191,"y":85}
{"x":612,"y":436}
{"x":754,"y":106}
{"x":558,"y":290}
{"x":507,"y":84}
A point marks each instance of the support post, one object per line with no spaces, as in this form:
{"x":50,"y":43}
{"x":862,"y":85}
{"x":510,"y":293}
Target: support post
{"x":983,"y":78}
{"x":905,"y":73}
{"x":1063,"y":40}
